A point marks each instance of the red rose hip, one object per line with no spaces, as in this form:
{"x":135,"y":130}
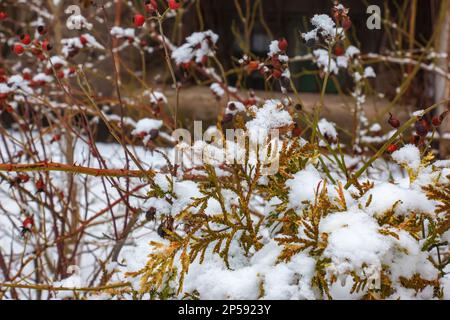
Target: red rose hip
{"x":282,"y":44}
{"x":138,"y":20}
{"x":174,"y":4}
{"x":18,"y":49}
{"x":25,"y":39}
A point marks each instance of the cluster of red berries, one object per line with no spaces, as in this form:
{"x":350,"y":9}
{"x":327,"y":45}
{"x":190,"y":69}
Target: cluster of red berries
{"x":38,"y":47}
{"x":421,"y":127}
{"x":74,"y":50}
{"x":275,"y":67}
{"x":279,"y":66}
{"x":151,"y":6}
{"x":340,"y":16}
{"x":204,"y":59}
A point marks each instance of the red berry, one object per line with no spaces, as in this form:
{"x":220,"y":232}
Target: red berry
{"x":296,"y":132}
{"x":18,"y":49}
{"x":27,"y":225}
{"x":339,"y":50}
{"x":138,"y":20}
{"x":72,"y":70}
{"x":55,"y":138}
{"x":25,"y":39}
{"x":436,"y":121}
{"x":83,"y":40}
{"x":174,"y":4}
{"x":27,"y":76}
{"x":346,"y":23}
{"x":252,"y":66}
{"x":276,"y":74}
{"x":151,"y":6}
{"x":392,"y":148}
{"x":421,"y":127}
{"x":60,"y":74}
{"x":28,"y":222}
{"x":3,"y":15}
{"x":42,"y":30}
{"x":393,"y":121}
{"x":46,"y":45}
{"x":40,"y":185}
{"x":186,"y":65}
{"x":282,"y":44}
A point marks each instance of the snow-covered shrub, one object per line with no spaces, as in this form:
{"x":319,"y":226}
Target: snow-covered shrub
{"x":156,"y":214}
{"x":298,"y":235}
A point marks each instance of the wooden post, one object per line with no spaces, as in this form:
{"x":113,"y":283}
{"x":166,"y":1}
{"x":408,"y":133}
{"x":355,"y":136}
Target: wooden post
{"x":442,"y":85}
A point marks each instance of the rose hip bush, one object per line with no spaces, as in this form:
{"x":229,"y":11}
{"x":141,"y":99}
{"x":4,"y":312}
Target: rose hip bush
{"x":357,"y":212}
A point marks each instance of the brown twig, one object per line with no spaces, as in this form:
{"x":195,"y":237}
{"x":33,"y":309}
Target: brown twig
{"x":53,"y":166}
